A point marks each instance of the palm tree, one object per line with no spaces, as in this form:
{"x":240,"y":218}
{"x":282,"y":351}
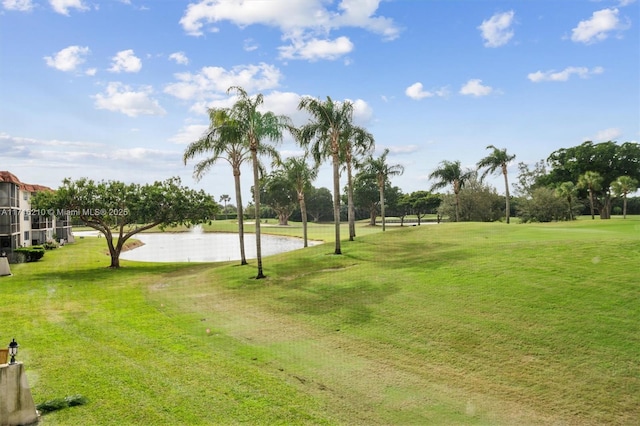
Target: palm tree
{"x":222,"y":141}
{"x":451,"y":173}
{"x":224,"y":198}
{"x":381,"y":171}
{"x":498,"y":160}
{"x":567,"y":190}
{"x":255,"y":127}
{"x":356,"y":143}
{"x":300,"y":175}
{"x":592,"y":181}
{"x":330,"y":121}
{"x":623,"y":186}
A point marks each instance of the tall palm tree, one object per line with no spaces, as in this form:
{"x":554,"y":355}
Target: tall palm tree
{"x":300,"y":175}
{"x":255,"y":127}
{"x":322,"y":136}
{"x":356,"y":144}
{"x":498,"y":160}
{"x":451,"y":173}
{"x":381,"y":171}
{"x":592,"y":181}
{"x":623,"y":186}
{"x":222,"y":141}
{"x":567,"y":190}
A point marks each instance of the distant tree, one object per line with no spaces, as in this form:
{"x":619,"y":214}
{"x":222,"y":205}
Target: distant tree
{"x":356,"y":144}
{"x":498,"y":160}
{"x":366,"y":195}
{"x":530,"y":179}
{"x":278,"y":192}
{"x":569,"y":192}
{"x":423,"y":202}
{"x":381,"y":172}
{"x":609,"y":159}
{"x":222,"y":140}
{"x":478,"y":202}
{"x":224,"y":198}
{"x":319,"y":203}
{"x":451,"y":173}
{"x":119,"y":211}
{"x":300,"y":175}
{"x":622,"y":187}
{"x":544,"y":205}
{"x":256,"y":128}
{"x":323,"y":137}
{"x":592,"y":182}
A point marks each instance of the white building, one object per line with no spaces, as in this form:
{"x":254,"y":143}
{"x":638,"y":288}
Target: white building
{"x":20,"y":225}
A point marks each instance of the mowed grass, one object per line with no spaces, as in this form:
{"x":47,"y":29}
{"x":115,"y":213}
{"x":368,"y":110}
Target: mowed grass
{"x":437,"y":324}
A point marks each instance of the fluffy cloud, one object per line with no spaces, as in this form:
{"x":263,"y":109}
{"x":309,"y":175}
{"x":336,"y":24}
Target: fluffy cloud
{"x":416,"y":91}
{"x":68,"y":59}
{"x":610,"y":134}
{"x":496,"y":31}
{"x":121,"y":98}
{"x":19,"y":5}
{"x":189,"y":133}
{"x":597,"y":28}
{"x":564,"y":75}
{"x":125,"y":61}
{"x":180,"y":58}
{"x":314,"y":49}
{"x":63,"y":6}
{"x":211,"y":82}
{"x":474,"y":87}
{"x":305,"y":23}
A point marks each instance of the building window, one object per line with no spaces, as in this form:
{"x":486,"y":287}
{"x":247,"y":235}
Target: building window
{"x":26,"y":236}
{"x":25,"y":195}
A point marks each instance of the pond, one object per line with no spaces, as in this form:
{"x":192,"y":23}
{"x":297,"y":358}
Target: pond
{"x":198,"y":246}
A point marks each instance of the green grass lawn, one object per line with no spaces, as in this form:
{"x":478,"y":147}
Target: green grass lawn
{"x":437,"y":324}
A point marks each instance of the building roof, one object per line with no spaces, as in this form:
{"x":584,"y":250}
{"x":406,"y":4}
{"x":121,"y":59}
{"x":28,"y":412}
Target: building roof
{"x":6,"y":176}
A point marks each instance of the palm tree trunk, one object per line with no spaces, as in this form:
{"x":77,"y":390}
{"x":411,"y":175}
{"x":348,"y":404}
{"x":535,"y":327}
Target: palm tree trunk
{"x":336,"y":200}
{"x":382,"y":207}
{"x":303,"y":213}
{"x":624,"y":206}
{"x":593,"y":215}
{"x":236,"y":178}
{"x":506,"y":191}
{"x":351,"y":207}
{"x":256,"y":197}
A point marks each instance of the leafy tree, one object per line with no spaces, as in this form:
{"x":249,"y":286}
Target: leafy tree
{"x":278,"y":192}
{"x":609,"y":159}
{"x":366,"y":195}
{"x":256,"y":127}
{"x":319,"y":203}
{"x":544,"y":205}
{"x":451,"y":173}
{"x":300,"y":175}
{"x":478,"y":202}
{"x":529,"y":179}
{"x":569,"y":192}
{"x":222,"y":141}
{"x":119,"y":210}
{"x":381,"y":171}
{"x":592,"y":182}
{"x":423,"y":202}
{"x":356,"y":144}
{"x":498,"y":160}
{"x":323,"y":136}
{"x":622,"y":187}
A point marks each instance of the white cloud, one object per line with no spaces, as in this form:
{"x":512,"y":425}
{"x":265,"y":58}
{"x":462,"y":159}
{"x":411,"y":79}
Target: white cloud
{"x":68,"y":59}
{"x":597,"y":28}
{"x":404,"y":149}
{"x":362,"y":112}
{"x":91,"y":71}
{"x":250,"y":45}
{"x":19,"y":5}
{"x":63,"y":6}
{"x":496,"y":31}
{"x":189,"y":133}
{"x":119,"y":97}
{"x":180,"y":58}
{"x":314,"y":49}
{"x":125,"y":61}
{"x":582,"y":72}
{"x":416,"y":91}
{"x":474,"y":87}
{"x":211,"y":82}
{"x":610,"y":134}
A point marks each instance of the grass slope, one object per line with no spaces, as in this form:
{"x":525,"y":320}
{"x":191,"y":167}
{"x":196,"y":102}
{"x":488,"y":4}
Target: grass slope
{"x":447,"y":324}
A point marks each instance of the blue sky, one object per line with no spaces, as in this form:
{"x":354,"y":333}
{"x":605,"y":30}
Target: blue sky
{"x":117,"y":89}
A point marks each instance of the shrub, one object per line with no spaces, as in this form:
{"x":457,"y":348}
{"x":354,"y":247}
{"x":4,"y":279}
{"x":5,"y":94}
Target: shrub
{"x":31,"y":254}
{"x":50,"y":245}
